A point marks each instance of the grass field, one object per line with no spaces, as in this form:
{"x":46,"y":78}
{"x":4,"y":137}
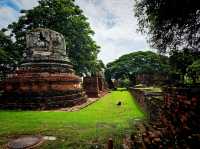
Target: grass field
{"x":95,"y":123}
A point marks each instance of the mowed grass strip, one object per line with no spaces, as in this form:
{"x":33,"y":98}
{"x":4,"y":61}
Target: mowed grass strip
{"x":98,"y":120}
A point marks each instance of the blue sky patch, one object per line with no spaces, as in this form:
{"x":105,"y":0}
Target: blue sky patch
{"x":9,"y":3}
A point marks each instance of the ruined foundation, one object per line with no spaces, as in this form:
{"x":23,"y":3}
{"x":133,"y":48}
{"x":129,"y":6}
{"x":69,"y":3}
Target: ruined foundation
{"x":94,"y":86}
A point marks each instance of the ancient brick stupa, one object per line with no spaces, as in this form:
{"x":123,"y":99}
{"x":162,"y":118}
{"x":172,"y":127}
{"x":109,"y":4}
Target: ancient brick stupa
{"x":45,"y":79}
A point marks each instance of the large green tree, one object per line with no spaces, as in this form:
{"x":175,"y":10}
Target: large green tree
{"x":170,"y":24}
{"x":67,"y":18}
{"x":133,"y":64}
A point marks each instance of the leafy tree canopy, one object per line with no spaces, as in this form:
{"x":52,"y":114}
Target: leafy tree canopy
{"x":67,"y":18}
{"x":195,"y":67}
{"x":181,"y":63}
{"x":171,"y":24}
{"x":8,"y":55}
{"x":5,"y":43}
{"x":193,"y":71}
{"x":180,"y":60}
{"x":130,"y":65}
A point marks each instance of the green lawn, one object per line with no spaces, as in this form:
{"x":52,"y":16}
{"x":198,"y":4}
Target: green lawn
{"x":97,"y":122}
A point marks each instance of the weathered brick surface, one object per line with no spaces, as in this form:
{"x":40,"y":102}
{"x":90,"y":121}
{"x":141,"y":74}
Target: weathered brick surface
{"x":91,"y":86}
{"x":178,"y":121}
{"x":150,"y":102}
{"x":94,"y":86}
{"x":45,"y":79}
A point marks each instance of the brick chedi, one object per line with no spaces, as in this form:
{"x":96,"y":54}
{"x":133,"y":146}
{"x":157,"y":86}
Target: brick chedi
{"x":45,"y":79}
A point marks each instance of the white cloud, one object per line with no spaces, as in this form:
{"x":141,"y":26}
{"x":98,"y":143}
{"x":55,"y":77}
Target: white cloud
{"x":115,"y":26}
{"x":112,"y":20}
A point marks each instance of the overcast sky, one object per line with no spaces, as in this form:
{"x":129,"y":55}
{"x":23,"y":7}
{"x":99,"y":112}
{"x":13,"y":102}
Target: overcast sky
{"x":112,"y":20}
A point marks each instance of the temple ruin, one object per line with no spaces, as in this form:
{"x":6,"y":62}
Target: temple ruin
{"x":45,"y":79}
